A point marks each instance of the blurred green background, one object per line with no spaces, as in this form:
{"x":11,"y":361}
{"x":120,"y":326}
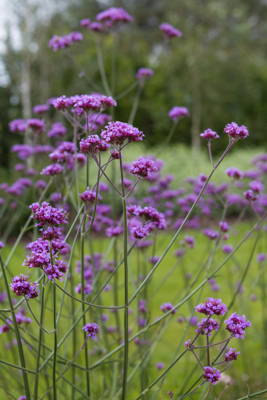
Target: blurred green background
{"x":217,"y":69}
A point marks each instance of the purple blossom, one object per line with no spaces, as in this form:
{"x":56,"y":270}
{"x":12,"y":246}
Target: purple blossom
{"x":22,"y":287}
{"x":19,"y":167}
{"x":261,"y":257}
{"x":140,"y":232}
{"x":112,"y":15}
{"x":52,"y":170}
{"x":87,"y":288}
{"x":4,"y":328}
{"x":56,"y":271}
{"x":235,"y":131}
{"x":117,"y":132}
{"x":209,"y":134}
{"x":1,"y":245}
{"x":92,"y":329}
{"x":23,"y":150}
{"x":144,"y":73}
{"x":85,"y":22}
{"x":231,"y":355}
{"x":177,"y":112}
{"x":51,"y":233}
{"x":210,"y":233}
{"x":47,"y":215}
{"x":89,"y":197}
{"x":212,"y":306}
{"x":211,"y":325}
{"x":165,"y":307}
{"x":234,"y":173}
{"x":187,"y":343}
{"x":95,"y":27}
{"x":40,"y":184}
{"x":224,"y":227}
{"x":57,"y":130}
{"x":256,"y":186}
{"x":87,"y":103}
{"x":40,"y":109}
{"x":142,"y":306}
{"x":143,"y":168}
{"x":250,"y":195}
{"x":192,"y":320}
{"x":37,"y":125}
{"x":160,"y":365}
{"x":169,"y":30}
{"x":190,"y":240}
{"x":114,"y":231}
{"x":93,"y":145}
{"x":212,"y":375}
{"x":236,"y":325}
{"x":17,"y":125}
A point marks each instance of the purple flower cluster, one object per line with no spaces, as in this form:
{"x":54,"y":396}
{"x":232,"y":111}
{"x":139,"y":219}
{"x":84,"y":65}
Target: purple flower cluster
{"x":165,"y":307}
{"x":209,"y":134}
{"x":236,"y":132}
{"x":205,"y":327}
{"x":85,"y":103}
{"x":57,"y":130}
{"x":62,"y":42}
{"x":116,"y":133}
{"x":177,"y":112}
{"x":231,"y":355}
{"x":93,"y":145}
{"x":52,"y":170}
{"x":212,"y":306}
{"x":89,"y":197}
{"x":237,"y":325}
{"x":114,"y":15}
{"x":144,"y":73}
{"x":41,"y":108}
{"x":143,"y":167}
{"x":169,"y":30}
{"x":22,"y":287}
{"x":46,"y":215}
{"x":92,"y":329}
{"x":212,"y":375}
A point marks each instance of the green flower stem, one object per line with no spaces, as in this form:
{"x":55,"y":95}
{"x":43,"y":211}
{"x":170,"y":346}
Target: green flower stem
{"x":18,"y":367}
{"x":83,"y":309}
{"x":18,"y":337}
{"x":36,"y":381}
{"x":135,"y":103}
{"x":96,"y":201}
{"x":126,"y":91}
{"x":55,"y":332}
{"x":168,"y":139}
{"x":126,"y":301}
{"x":101,"y":67}
{"x":36,"y":320}
{"x":184,"y":299}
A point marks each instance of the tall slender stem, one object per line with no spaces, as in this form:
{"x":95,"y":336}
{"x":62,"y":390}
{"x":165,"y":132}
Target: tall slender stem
{"x":135,"y":103}
{"x":21,"y":354}
{"x":55,"y":332}
{"x":126,"y":301}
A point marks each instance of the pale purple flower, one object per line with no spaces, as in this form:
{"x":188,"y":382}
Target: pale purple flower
{"x":40,"y":184}
{"x":187,"y":343}
{"x":235,"y":131}
{"x":47,"y":215}
{"x":210,"y":134}
{"x":165,"y":307}
{"x":212,"y":375}
{"x":117,"y":132}
{"x":190,"y":240}
{"x":211,"y":325}
{"x":95,"y":27}
{"x":85,"y":22}
{"x":261,"y":257}
{"x":40,"y":109}
{"x":234,"y":173}
{"x":236,"y":325}
{"x":92,"y":329}
{"x":256,"y":186}
{"x":89,"y":197}
{"x":227,"y":248}
{"x":112,"y":15}
{"x":114,"y":231}
{"x":144,"y":73}
{"x":52,"y":170}
{"x":22,"y":287}
{"x":169,"y":30}
{"x":224,"y":227}
{"x":177,"y":112}
{"x":93,"y":145}
{"x":231,"y":355}
{"x":250,"y":195}
{"x":143,"y":168}
{"x":17,"y":125}
{"x":23,"y":150}
{"x":210,"y":233}
{"x":57,"y":130}
{"x":160,"y":365}
{"x":37,"y":125}
{"x":140,"y":232}
{"x":212,"y":306}
{"x":1,"y":245}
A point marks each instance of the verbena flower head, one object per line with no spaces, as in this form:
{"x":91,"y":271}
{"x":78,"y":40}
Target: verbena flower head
{"x":187,"y":343}
{"x":37,"y":125}
{"x":143,"y":167}
{"x":93,"y":145}
{"x":177,"y":112}
{"x":51,"y":233}
{"x":87,"y":103}
{"x":140,"y":232}
{"x":211,"y":325}
{"x":114,"y":231}
{"x":47,"y":215}
{"x":209,"y":134}
{"x":144,"y":73}
{"x":92,"y":329}
{"x":212,"y":375}
{"x":95,"y":27}
{"x":117,"y":132}
{"x":224,"y":227}
{"x":210,"y":233}
{"x":231,"y":355}
{"x":1,"y":245}
{"x":56,"y":271}
{"x":237,"y":325}
{"x":227,"y":248}
{"x":22,"y":287}
{"x":235,"y":131}
{"x":57,"y":130}
{"x":23,"y":151}
{"x":190,"y":240}
{"x":250,"y":195}
{"x":52,"y":170}
{"x":17,"y":125}
{"x":256,"y":186}
{"x":234,"y":173}
{"x":169,"y":30}
{"x":61,"y":103}
{"x":165,"y":307}
{"x":40,"y":109}
{"x":160,"y":365}
{"x":212,"y":306}
{"x":85,"y":22}
{"x":112,"y":15}
{"x":89,"y":197}
{"x":40,"y":184}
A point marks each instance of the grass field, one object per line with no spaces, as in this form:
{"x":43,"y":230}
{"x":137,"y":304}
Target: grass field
{"x":168,"y":284}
